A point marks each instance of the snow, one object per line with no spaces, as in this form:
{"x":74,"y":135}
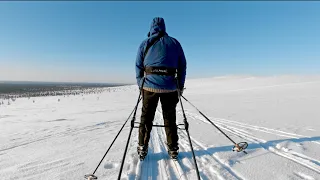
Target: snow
{"x":44,"y":138}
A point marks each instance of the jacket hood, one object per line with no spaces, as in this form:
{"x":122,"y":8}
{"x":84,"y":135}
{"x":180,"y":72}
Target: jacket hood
{"x":157,"y":26}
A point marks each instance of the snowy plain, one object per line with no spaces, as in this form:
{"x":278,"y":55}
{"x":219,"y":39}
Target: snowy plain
{"x":278,"y":116}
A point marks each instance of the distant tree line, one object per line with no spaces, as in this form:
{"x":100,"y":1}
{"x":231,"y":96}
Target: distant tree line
{"x":13,"y":91}
{"x":37,"y":93}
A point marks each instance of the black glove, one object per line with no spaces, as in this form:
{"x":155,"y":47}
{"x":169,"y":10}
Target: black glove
{"x":181,"y":91}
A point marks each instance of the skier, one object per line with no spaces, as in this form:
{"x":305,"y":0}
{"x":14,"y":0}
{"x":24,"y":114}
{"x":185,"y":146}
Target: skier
{"x":161,"y":61}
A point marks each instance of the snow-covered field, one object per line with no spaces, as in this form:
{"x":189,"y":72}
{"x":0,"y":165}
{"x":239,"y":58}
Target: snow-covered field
{"x":278,"y":116}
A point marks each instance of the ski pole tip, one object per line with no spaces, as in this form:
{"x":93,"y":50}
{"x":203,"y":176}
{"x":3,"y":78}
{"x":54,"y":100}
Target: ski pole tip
{"x":90,"y":177}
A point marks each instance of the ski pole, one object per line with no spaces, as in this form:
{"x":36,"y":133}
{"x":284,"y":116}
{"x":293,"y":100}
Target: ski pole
{"x":92,"y":176}
{"x":239,"y":148}
{"x":187,"y":130}
{"x":129,"y":136}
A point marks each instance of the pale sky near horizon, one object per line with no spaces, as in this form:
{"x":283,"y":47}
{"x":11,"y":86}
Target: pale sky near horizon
{"x":76,"y":41}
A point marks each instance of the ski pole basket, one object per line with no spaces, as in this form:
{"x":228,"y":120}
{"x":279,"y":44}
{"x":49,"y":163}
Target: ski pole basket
{"x":240,"y":147}
{"x":90,"y":177}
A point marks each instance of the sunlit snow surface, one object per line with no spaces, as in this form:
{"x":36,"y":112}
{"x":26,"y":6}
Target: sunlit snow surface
{"x":278,"y":116}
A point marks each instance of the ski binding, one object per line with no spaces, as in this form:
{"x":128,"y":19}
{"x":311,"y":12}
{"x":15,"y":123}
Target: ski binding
{"x":141,"y":157}
{"x":174,"y":157}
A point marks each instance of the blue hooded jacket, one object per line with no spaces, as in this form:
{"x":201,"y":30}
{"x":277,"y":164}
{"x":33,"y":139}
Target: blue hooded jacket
{"x":166,"y":52}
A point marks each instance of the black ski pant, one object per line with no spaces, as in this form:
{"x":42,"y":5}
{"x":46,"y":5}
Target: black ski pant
{"x":168,"y":103}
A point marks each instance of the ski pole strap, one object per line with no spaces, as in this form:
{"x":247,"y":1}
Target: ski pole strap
{"x":160,"y":71}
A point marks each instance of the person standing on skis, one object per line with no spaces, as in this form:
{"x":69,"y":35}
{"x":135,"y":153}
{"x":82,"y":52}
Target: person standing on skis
{"x":160,"y":73}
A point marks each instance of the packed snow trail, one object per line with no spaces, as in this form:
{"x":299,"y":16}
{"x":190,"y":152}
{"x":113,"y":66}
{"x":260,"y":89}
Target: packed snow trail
{"x":158,"y":165}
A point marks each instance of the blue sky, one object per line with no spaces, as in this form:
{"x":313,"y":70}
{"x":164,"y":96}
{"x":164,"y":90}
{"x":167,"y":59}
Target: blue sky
{"x":98,"y":41}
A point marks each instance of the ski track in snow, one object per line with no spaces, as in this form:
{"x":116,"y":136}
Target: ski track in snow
{"x":157,"y":160}
{"x":210,"y":165}
{"x":237,"y":129}
{"x":59,"y":134}
{"x":157,"y":164}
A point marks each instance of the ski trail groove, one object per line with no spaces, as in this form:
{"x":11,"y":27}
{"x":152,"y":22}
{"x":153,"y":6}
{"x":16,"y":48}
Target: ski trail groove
{"x":252,"y":138}
{"x":223,"y":167}
{"x":252,"y":127}
{"x":156,"y":142}
{"x":213,"y":172}
{"x":262,"y":143}
{"x":300,"y":160}
{"x":178,"y":171}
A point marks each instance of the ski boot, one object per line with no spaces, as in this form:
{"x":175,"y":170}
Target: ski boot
{"x":142,"y":152}
{"x":173,"y":152}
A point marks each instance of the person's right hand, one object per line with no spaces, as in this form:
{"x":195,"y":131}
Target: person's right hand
{"x":181,"y":91}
